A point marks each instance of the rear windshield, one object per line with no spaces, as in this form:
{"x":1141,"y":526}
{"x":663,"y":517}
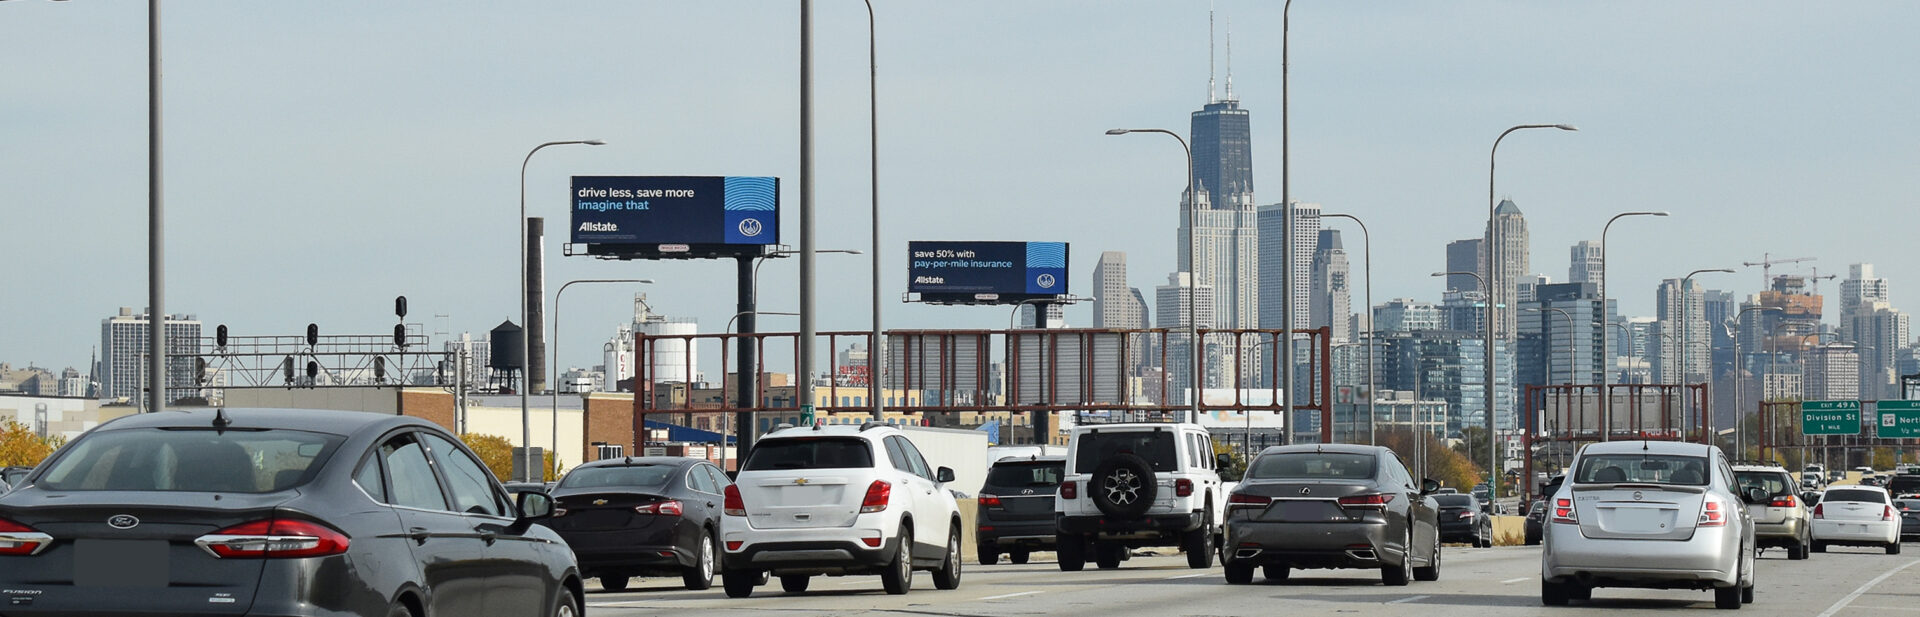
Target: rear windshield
{"x":1773,"y":482}
{"x":1454,"y":501}
{"x":1855,"y":495}
{"x":624,"y":476}
{"x":1158,"y":447}
{"x":234,"y":461}
{"x":809,"y":453}
{"x":1313,"y":466}
{"x":1642,"y":468}
{"x":1026,"y":475}
{"x":1907,"y":504}
{"x":1904,"y":484}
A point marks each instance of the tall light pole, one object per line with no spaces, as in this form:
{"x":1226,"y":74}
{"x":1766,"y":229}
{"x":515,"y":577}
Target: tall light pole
{"x":1366,"y":244}
{"x":876,"y":369}
{"x":1193,"y":268}
{"x":1606,"y":379}
{"x":156,"y":226}
{"x":556,"y":354}
{"x":1286,"y":237}
{"x":1740,"y":413}
{"x":1686,"y":332}
{"x":1493,"y":455}
{"x":804,"y":346}
{"x":526,"y":308}
{"x":1493,"y":301}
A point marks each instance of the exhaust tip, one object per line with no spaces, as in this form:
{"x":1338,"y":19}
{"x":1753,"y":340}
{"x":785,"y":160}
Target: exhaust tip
{"x":1246,"y":553}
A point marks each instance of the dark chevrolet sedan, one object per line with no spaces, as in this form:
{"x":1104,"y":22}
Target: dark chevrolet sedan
{"x":642,"y":516}
{"x":276,"y":512}
{"x":1332,"y":506}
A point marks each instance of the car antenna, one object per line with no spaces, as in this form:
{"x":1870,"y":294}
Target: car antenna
{"x":220,"y":420}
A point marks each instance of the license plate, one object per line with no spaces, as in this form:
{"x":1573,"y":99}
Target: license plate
{"x":1308,"y":511}
{"x":120,"y":563}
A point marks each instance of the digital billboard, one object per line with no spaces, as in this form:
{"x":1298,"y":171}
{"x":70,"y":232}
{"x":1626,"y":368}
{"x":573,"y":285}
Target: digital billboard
{"x":986,"y":272}
{"x":672,"y":214}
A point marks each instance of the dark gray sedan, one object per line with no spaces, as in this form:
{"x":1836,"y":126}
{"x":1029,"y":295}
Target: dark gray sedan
{"x":1332,"y":506}
{"x":642,"y":516}
{"x":277,"y":512}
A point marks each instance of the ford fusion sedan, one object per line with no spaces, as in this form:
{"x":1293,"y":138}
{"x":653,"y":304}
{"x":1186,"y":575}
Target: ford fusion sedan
{"x":1332,"y":506}
{"x":276,"y":512}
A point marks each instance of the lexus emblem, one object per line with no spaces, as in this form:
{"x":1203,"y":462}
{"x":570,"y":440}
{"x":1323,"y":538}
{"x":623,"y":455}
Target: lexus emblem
{"x":1306,"y":490}
{"x":123,"y":521}
{"x":1026,"y":491}
{"x":1636,"y":495}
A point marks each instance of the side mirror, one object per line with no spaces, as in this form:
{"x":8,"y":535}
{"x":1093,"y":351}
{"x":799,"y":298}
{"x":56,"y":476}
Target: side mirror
{"x":1428,"y":486}
{"x":1755,"y":494}
{"x":944,"y":475}
{"x":1222,"y":460}
{"x":535,"y":505}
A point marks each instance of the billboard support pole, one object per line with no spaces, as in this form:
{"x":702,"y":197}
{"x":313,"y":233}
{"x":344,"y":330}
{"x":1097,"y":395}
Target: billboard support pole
{"x":746,"y":374}
{"x":1039,"y":418}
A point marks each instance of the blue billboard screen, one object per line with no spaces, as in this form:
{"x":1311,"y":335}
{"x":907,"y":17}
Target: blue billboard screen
{"x":692,"y":210}
{"x":1013,"y":269}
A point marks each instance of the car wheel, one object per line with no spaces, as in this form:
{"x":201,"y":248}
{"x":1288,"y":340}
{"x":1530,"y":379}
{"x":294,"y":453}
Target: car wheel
{"x":1432,"y":570}
{"x":1275,"y":572}
{"x":1797,"y":551}
{"x":948,"y":576}
{"x":898,"y":577}
{"x":1893,"y":548}
{"x":613,"y":583}
{"x":740,"y":583}
{"x":1108,"y":554}
{"x":1727,"y":597}
{"x":794,"y":583}
{"x":1819,"y":547}
{"x":988,"y":555}
{"x":700,"y":576}
{"x":399,"y":610}
{"x":1746,"y":595}
{"x":1018,"y":557}
{"x":1239,"y":573}
{"x":1071,"y":549}
{"x":1199,"y":545}
{"x":565,"y":606}
{"x":1553,"y":594}
{"x":1398,"y":574}
{"x":1577,"y":591}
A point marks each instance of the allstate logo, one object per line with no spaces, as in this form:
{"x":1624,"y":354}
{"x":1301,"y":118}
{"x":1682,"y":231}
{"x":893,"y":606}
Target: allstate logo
{"x":1045,"y":281}
{"x":750,"y":227}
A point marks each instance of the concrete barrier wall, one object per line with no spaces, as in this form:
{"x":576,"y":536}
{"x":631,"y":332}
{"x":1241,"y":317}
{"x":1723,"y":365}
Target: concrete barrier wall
{"x":1509,"y":530}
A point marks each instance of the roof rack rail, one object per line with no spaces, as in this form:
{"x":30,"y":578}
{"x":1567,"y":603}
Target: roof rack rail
{"x":871,"y":424}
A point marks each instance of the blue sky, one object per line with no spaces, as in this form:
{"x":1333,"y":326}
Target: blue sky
{"x":322,"y":158}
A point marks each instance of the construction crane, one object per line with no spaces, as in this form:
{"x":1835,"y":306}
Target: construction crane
{"x":1816,"y":280}
{"x":1766,"y":264}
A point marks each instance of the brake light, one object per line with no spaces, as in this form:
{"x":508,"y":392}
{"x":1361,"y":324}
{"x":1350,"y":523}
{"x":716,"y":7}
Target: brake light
{"x":559,"y":512}
{"x":1712,"y":514}
{"x":1783,"y":501}
{"x":1563,"y":512}
{"x":991,"y":501}
{"x":1887,"y":515}
{"x":734,"y":505}
{"x":878,"y":494}
{"x":1183,"y":488}
{"x":1244,"y":500}
{"x":1466,"y":514}
{"x":1819,"y":510}
{"x":18,"y":539}
{"x":666,"y":508}
{"x":1069,"y":490}
{"x":1376,"y":501}
{"x":274,"y":539}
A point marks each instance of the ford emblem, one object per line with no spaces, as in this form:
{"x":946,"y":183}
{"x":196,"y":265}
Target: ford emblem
{"x":123,"y":521}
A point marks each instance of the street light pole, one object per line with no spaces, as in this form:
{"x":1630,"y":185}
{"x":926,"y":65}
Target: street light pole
{"x":156,"y":226}
{"x":1285,"y":359}
{"x":526,"y":308}
{"x":1739,"y":413}
{"x":1686,"y":332}
{"x":1193,"y":266}
{"x":1606,"y":379}
{"x":876,"y":368}
{"x":1366,"y":244}
{"x":1493,"y":303}
{"x":555,"y":447}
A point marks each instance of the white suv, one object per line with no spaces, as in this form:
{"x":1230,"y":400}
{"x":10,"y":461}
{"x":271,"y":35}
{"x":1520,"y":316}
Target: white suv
{"x":1134,"y":485}
{"x":838,"y":500}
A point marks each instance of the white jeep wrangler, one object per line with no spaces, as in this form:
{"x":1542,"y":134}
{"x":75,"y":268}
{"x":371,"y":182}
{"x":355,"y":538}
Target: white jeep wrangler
{"x":1136,"y":485}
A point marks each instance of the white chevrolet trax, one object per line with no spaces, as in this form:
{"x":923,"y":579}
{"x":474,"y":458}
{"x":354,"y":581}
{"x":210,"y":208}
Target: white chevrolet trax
{"x":838,"y":500}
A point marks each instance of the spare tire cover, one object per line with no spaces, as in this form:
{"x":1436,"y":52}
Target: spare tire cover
{"x":1123,"y":486}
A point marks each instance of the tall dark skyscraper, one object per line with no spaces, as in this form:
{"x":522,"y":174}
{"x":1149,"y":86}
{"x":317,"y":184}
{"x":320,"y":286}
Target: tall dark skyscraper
{"x":1223,"y":154}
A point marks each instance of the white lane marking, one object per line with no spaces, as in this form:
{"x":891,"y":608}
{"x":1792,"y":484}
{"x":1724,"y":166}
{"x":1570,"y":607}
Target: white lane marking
{"x":1409,"y":599}
{"x":1884,"y":608}
{"x":1011,"y":595}
{"x":1837,"y":606}
{"x":1516,"y":580}
{"x":1175,"y":578}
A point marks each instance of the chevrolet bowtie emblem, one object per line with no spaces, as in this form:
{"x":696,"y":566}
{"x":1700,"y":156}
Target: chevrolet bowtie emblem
{"x":800,"y":481}
{"x":599,"y":502}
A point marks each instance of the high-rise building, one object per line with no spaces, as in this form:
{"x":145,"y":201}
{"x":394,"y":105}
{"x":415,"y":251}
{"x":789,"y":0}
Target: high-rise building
{"x":1306,"y":238}
{"x":1056,"y":315}
{"x":1466,"y":256}
{"x":1831,"y":372}
{"x":1170,"y":307}
{"x":1860,"y":289}
{"x":1115,"y":305}
{"x":1406,"y":315}
{"x":1447,"y":365}
{"x":1507,"y":235}
{"x":1880,"y":332}
{"x":1683,"y":329}
{"x":1465,"y":311}
{"x":1228,"y":246}
{"x":1633,"y":346}
{"x":476,"y":353}
{"x":1545,"y":334}
{"x":72,"y":383}
{"x":1223,"y":154}
{"x":1332,"y":298}
{"x":1583,"y":265}
{"x":123,"y":343}
{"x":1524,"y":288}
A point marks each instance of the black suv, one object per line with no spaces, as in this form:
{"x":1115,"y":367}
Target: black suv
{"x":1016,"y":508}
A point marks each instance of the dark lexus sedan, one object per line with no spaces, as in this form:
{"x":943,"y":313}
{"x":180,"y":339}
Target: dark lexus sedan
{"x":642,"y":516}
{"x":1332,"y":506}
{"x":276,"y":512}
{"x":1015,"y":508}
{"x":1461,"y":519}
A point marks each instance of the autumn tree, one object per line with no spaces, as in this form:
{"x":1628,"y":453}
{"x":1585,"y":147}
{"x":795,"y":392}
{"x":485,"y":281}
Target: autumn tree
{"x":20,"y":447}
{"x":497,"y":454}
{"x":1447,"y":466}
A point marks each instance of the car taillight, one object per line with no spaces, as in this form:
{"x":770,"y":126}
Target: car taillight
{"x":1466,"y":514}
{"x":1183,"y":488}
{"x":1712,"y":514}
{"x":1887,"y":515}
{"x":1783,"y":501}
{"x":1243,"y":500}
{"x":878,"y":494}
{"x":1069,"y":490}
{"x":667,"y":508}
{"x":559,"y":512}
{"x":1375,"y":501}
{"x":734,"y":505}
{"x":1819,"y":510}
{"x":991,"y":501}
{"x":1563,"y":512}
{"x":18,"y":539}
{"x":274,"y":539}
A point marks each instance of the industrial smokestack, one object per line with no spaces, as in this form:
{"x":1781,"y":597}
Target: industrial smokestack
{"x":536,"y":306}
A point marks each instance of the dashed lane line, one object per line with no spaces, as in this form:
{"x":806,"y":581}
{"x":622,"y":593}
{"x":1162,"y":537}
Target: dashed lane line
{"x":1842,"y":604}
{"x":1409,"y":599}
{"x":1011,"y":595}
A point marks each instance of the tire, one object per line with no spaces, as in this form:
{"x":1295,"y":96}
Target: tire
{"x":1239,"y":573}
{"x":1199,"y":545}
{"x":1397,"y":575}
{"x":700,"y":576}
{"x":613,"y":583}
{"x":1893,"y":548}
{"x":1071,"y":549}
{"x":564,"y":606}
{"x":1819,"y":547}
{"x":1018,"y":557}
{"x":1533,"y":539}
{"x":1727,"y":598}
{"x":988,"y":555}
{"x":795,"y":583}
{"x":1746,"y":595}
{"x":739,"y":583}
{"x":1431,"y":572}
{"x":1797,"y":552}
{"x":399,"y":610}
{"x":1275,"y":572}
{"x":1123,"y":486}
{"x":898,"y":577}
{"x":1108,"y":554}
{"x":948,"y":576}
{"x":1553,"y":594}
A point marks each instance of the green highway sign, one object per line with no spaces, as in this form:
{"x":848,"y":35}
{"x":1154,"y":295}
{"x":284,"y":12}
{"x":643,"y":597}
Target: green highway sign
{"x":1899,"y":419}
{"x":1830,"y":418}
{"x":806,"y":415}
